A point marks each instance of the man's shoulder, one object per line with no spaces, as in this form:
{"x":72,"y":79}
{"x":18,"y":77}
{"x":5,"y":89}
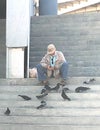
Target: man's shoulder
{"x":59,"y":52}
{"x":46,"y":55}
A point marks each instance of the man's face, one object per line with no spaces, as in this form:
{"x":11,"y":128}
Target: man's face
{"x":52,"y":54}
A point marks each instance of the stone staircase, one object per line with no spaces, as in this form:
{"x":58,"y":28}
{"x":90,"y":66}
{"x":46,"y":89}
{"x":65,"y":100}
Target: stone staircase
{"x":78,"y":38}
{"x":76,"y":35}
{"x":81,"y":113}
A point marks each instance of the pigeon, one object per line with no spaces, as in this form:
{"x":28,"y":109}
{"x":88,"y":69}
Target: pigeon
{"x":7,"y":112}
{"x":25,"y":97}
{"x":86,"y":82}
{"x":43,"y":90}
{"x":43,"y":104}
{"x":56,"y":87}
{"x":64,"y":96}
{"x":66,"y":89}
{"x":81,"y":89}
{"x":90,"y":81}
{"x":42,"y":95}
{"x":47,"y":87}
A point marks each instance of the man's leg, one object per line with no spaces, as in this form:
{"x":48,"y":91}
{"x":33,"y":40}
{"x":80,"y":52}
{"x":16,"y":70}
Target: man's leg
{"x":42,"y":73}
{"x":64,"y":71}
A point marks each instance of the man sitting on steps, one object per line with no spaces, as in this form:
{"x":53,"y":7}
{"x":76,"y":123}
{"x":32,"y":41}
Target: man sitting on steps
{"x":52,"y":65}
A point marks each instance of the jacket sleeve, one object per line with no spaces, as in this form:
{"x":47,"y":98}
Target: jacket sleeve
{"x":60,"y":59}
{"x":45,"y":62}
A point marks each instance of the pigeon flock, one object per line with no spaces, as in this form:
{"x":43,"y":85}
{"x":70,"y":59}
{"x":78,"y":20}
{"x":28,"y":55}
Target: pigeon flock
{"x":47,"y":89}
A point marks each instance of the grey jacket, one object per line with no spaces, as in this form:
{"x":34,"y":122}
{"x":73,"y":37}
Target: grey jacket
{"x":60,"y":59}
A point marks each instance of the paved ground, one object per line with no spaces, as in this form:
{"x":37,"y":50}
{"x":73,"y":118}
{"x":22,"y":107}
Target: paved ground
{"x":81,"y":113}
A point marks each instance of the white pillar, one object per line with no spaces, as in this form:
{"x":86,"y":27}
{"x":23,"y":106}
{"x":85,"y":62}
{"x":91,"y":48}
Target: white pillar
{"x":17,"y":35}
{"x":15,"y":65}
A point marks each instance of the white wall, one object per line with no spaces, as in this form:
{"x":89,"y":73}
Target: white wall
{"x":18,"y":18}
{"x":15,"y":63}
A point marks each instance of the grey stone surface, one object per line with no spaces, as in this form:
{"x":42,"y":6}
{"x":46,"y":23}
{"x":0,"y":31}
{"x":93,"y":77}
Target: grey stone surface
{"x":81,"y":113}
{"x":52,"y":81}
{"x":76,"y":35}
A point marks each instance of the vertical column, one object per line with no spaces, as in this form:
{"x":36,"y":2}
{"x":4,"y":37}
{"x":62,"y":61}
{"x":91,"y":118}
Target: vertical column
{"x":48,"y":7}
{"x":32,"y":11}
{"x":17,"y":36}
{"x":15,"y":63}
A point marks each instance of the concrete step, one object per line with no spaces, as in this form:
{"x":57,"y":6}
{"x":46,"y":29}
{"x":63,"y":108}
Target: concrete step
{"x":50,"y":98}
{"x":51,"y":120}
{"x":52,"y":112}
{"x":34,"y":89}
{"x":34,"y":82}
{"x":82,"y":50}
{"x":65,"y":24}
{"x":78,"y":18}
{"x":81,"y":113}
{"x":48,"y":127}
{"x":81,"y":104}
{"x":56,"y":31}
{"x":61,"y":38}
{"x":78,"y":58}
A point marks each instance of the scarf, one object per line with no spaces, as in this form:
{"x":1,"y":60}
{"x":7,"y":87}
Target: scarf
{"x":52,"y":61}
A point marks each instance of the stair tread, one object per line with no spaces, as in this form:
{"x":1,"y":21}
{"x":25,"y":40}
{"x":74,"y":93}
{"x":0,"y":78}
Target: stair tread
{"x":5,"y":126}
{"x":78,"y":113}
{"x":52,"y":112}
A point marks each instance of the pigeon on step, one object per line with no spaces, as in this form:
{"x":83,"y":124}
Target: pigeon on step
{"x":64,"y":96}
{"x":92,"y":80}
{"x":66,"y":89}
{"x":7,"y":112}
{"x":86,"y":82}
{"x":42,"y":95}
{"x":43,"y":90}
{"x":25,"y":97}
{"x":47,"y":87}
{"x":43,"y":104}
{"x":89,"y":81}
{"x":81,"y":89}
{"x":56,"y":87}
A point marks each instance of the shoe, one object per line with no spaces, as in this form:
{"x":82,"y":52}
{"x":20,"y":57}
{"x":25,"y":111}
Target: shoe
{"x":49,"y":73}
{"x":57,"y":74}
{"x":42,"y":83}
{"x":63,"y":82}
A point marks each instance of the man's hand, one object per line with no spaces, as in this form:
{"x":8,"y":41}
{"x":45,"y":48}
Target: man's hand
{"x":50,"y":68}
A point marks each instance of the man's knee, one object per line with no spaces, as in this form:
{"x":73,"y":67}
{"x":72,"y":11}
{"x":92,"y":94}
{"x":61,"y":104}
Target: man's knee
{"x":39,"y":66}
{"x":65,"y":64}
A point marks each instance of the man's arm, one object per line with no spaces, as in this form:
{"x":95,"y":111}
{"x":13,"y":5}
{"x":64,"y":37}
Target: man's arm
{"x":45,"y":62}
{"x":60,"y":60}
